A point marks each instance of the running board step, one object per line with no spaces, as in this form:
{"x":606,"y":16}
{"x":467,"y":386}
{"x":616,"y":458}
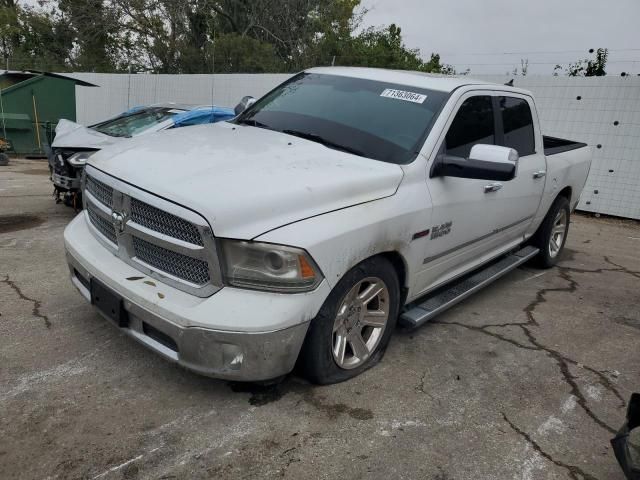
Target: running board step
{"x":448,"y":296}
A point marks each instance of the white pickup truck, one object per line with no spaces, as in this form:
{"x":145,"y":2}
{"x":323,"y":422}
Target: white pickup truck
{"x":342,"y":202}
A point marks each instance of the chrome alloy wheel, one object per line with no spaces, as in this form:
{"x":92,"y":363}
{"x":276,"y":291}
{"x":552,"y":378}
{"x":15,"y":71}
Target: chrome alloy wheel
{"x":360,"y":322}
{"x":558,"y":232}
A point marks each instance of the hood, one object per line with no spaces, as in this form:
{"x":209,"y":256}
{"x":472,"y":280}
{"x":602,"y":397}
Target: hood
{"x":73,"y":135}
{"x":246,"y":180}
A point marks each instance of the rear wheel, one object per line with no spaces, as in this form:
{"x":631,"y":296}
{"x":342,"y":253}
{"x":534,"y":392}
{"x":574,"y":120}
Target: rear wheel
{"x":552,"y":233}
{"x":354,"y":326}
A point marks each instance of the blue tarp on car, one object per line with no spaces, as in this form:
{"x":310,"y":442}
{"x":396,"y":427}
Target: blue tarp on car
{"x":203,"y":115}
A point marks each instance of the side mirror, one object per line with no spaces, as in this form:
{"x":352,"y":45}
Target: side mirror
{"x":485,"y":162}
{"x":245,"y":103}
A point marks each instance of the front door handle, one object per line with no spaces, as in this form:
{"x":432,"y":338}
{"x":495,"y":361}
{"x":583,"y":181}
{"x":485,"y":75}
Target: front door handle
{"x":492,"y":187}
{"x":540,"y":174}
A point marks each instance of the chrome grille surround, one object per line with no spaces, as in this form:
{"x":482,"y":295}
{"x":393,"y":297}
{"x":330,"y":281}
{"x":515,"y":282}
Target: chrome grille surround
{"x":163,"y":240}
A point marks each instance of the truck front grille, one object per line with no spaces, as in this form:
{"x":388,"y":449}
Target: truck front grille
{"x":103,"y":193}
{"x":163,"y":222}
{"x":187,"y":268}
{"x":104,"y":226}
{"x":160,"y":243}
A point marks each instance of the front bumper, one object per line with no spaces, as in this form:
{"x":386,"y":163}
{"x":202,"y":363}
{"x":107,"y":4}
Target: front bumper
{"x":234,"y":334}
{"x":65,"y":183}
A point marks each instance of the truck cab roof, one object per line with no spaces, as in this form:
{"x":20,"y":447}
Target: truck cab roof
{"x":432,"y":81}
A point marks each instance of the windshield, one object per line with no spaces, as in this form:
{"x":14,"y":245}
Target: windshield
{"x":373,"y":119}
{"x":130,"y":124}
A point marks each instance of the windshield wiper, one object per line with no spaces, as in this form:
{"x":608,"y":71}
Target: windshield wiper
{"x":253,"y":123}
{"x":327,"y":143}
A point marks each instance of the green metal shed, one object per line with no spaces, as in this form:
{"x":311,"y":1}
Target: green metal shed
{"x":31,"y":103}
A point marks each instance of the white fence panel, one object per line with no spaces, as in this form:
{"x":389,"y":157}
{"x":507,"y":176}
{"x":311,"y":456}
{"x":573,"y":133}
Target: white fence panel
{"x":581,"y":109}
{"x":119,"y":92}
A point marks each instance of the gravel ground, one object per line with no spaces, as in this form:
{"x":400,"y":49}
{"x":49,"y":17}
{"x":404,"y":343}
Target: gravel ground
{"x":527,"y":379}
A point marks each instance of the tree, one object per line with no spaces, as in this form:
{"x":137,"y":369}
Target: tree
{"x":295,"y":28}
{"x":177,"y":37}
{"x":235,"y":53}
{"x":590,"y":67}
{"x":45,"y":40}
{"x":199,"y":36}
{"x":381,"y":47}
{"x":9,"y":28}
{"x":92,"y":24}
{"x":57,"y":35}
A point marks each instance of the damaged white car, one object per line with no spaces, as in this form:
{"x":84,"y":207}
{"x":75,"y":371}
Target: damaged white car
{"x":344,"y":201}
{"x":74,"y":143}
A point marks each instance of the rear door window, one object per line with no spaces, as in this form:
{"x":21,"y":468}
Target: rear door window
{"x":518,"y":125}
{"x":473,"y":124}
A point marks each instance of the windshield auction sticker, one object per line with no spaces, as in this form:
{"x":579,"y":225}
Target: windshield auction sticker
{"x":402,"y":95}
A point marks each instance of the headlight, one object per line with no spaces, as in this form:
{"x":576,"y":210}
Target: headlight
{"x":265,"y":266}
{"x":80,"y":158}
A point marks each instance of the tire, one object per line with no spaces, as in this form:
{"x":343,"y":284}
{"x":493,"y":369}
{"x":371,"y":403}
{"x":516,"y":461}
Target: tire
{"x":558,"y":216}
{"x":4,"y":160}
{"x":330,"y":357}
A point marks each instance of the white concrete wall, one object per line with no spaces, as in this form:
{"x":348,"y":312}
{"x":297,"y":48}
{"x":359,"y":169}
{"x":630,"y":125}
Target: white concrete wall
{"x":118,"y":92}
{"x":615,"y":173}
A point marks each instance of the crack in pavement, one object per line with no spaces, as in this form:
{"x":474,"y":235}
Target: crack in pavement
{"x":491,"y":334}
{"x":561,"y":360}
{"x":563,"y":363}
{"x":541,"y":297}
{"x":572,"y":469}
{"x":621,"y":268}
{"x":628,"y":322}
{"x":421,"y":387}
{"x":618,"y":268}
{"x":36,"y":303}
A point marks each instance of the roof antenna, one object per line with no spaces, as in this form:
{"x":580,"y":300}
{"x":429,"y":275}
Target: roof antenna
{"x":509,"y":83}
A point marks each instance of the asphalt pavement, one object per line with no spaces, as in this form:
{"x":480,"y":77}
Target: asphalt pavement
{"x":527,"y":379}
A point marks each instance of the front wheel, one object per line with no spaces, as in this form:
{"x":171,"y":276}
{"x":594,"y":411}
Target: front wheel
{"x":552,"y":233}
{"x":354,"y":325}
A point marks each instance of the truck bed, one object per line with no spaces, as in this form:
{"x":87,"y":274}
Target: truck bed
{"x":554,"y":145}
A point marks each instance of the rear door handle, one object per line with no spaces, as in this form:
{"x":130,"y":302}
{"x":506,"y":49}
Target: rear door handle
{"x":492,"y":187}
{"x":540,"y":174}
